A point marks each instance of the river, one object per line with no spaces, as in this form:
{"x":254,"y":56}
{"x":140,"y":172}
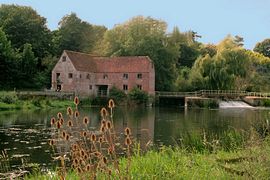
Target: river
{"x":25,"y":134}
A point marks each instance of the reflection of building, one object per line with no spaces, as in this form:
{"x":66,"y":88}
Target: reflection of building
{"x":92,"y":75}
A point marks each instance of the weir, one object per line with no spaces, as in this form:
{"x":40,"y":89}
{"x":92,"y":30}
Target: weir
{"x":234,"y":104}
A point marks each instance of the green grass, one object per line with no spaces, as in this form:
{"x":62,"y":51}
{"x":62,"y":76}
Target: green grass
{"x":36,"y":104}
{"x":177,"y":163}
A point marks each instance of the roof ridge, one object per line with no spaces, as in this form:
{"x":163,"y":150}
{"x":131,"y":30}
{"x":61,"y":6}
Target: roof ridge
{"x":76,"y":52}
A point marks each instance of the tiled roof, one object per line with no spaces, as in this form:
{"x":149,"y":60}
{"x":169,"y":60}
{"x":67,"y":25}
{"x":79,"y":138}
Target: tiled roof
{"x":89,"y":63}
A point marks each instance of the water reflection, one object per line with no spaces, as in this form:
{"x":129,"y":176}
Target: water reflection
{"x":26,"y":133}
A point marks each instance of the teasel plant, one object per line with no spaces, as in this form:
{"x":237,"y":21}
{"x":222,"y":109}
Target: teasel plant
{"x":88,"y":152}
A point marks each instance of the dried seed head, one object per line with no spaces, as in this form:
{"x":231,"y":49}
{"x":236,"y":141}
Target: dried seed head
{"x":53,"y":121}
{"x":104,"y":159}
{"x":100,"y":140}
{"x":62,"y":121}
{"x":97,"y":154}
{"x":127,"y":131}
{"x":51,"y":142}
{"x":64,"y":134}
{"x":69,"y":111}
{"x":67,"y":137}
{"x":79,"y":170}
{"x":102,"y":129}
{"x":93,"y":137}
{"x":88,"y":167}
{"x":58,"y":124}
{"x":59,"y":115}
{"x":73,"y":166}
{"x":76,"y":101}
{"x":128,"y":141}
{"x":76,"y":161}
{"x":86,"y":120}
{"x":82,"y":153}
{"x":103,"y":113}
{"x":85,"y":157}
{"x":76,"y":114}
{"x":110,"y":172}
{"x":84,"y":134}
{"x":103,"y":122}
{"x":109,"y":125}
{"x":111,"y":104}
{"x":70,"y":123}
{"x":75,"y":147}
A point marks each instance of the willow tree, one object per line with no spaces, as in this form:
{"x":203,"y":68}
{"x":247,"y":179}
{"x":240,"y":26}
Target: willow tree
{"x":228,"y":69}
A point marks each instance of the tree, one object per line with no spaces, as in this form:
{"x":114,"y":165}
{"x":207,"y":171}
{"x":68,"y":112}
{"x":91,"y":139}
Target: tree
{"x":7,"y":62}
{"x":142,"y":36}
{"x":24,"y":25}
{"x":263,"y":47}
{"x":189,"y":49}
{"x":77,"y":35}
{"x":28,"y":67}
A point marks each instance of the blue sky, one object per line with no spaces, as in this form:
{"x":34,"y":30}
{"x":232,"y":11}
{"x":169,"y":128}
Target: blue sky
{"x":212,"y":19}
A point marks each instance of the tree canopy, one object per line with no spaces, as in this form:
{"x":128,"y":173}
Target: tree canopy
{"x":29,"y":51}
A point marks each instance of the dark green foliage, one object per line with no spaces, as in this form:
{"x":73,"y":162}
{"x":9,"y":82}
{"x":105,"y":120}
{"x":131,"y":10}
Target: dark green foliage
{"x":138,"y":95}
{"x":23,"y":25}
{"x":263,"y":47}
{"x":77,"y":35}
{"x":8,"y":97}
{"x":117,"y":95}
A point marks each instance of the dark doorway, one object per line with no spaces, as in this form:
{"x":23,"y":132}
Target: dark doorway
{"x":102,"y":90}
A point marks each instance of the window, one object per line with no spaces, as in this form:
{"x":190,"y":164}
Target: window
{"x":57,"y":75}
{"x":139,"y":76}
{"x":88,"y":76}
{"x":105,"y":76}
{"x":90,"y":87}
{"x":80,"y":76}
{"x":70,"y":75}
{"x":139,"y":86}
{"x":64,"y":58}
{"x":125,"y":87}
{"x":125,"y":76}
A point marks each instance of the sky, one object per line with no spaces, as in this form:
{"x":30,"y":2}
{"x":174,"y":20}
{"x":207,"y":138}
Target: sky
{"x":212,"y":19}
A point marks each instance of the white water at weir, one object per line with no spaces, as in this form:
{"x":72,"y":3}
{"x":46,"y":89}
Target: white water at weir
{"x":234,"y":104}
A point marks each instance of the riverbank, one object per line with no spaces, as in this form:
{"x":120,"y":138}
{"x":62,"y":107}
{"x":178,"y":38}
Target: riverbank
{"x":176,"y":163}
{"x":10,"y":101}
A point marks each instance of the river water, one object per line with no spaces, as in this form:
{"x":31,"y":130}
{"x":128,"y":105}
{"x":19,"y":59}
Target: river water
{"x":24,"y":135}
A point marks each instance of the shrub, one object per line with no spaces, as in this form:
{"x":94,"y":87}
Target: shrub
{"x":117,"y":94}
{"x":8,"y":97}
{"x":138,"y":95}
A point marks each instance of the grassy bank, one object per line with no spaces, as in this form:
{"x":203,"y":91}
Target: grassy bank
{"x":177,"y":163}
{"x":10,"y":101}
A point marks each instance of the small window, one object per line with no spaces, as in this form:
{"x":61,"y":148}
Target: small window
{"x":88,"y":76}
{"x":57,"y":75}
{"x":139,"y":76}
{"x":139,"y":86}
{"x":90,"y":87}
{"x":125,"y":76}
{"x":80,"y":76}
{"x":105,"y":76}
{"x":125,"y":87}
{"x":64,"y":58}
{"x":70,"y":75}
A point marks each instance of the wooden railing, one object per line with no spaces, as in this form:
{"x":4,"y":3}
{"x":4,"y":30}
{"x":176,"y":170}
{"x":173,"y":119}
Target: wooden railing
{"x":216,"y":93}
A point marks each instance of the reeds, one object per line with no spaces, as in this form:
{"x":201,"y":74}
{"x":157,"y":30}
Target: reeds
{"x":85,"y":151}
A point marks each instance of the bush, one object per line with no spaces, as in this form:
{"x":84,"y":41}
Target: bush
{"x":117,"y":94}
{"x":266,"y":102}
{"x":8,"y":97}
{"x":138,"y":95}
